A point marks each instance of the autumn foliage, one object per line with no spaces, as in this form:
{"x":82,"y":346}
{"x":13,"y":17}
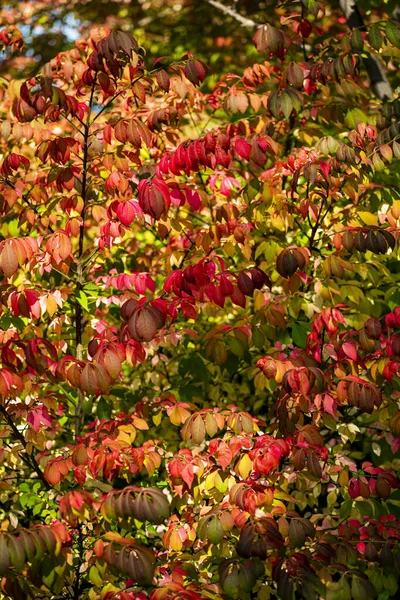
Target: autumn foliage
{"x":200,"y":319}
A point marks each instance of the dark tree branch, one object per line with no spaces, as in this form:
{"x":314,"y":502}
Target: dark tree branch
{"x":79,"y":269}
{"x":77,"y":582}
{"x":376,"y":72}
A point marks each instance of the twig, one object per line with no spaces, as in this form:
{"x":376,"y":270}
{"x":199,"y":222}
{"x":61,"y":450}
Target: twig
{"x":315,"y":227}
{"x":124,"y":89}
{"x":28,"y":459}
{"x":24,"y":197}
{"x":249,"y":23}
{"x":77,"y":582}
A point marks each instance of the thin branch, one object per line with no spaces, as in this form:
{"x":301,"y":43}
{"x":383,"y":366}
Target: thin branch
{"x":77,"y":582}
{"x":28,"y":459}
{"x":249,"y":23}
{"x":24,"y":197}
{"x":124,"y":89}
{"x":314,"y":228}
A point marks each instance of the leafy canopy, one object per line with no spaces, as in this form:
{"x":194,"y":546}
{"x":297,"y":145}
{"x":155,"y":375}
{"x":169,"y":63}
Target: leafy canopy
{"x":200,"y":317}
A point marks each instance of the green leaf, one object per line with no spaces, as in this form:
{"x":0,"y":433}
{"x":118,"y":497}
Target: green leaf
{"x":312,"y":6}
{"x":52,"y":576}
{"x":395,"y":495}
{"x":18,"y":323}
{"x":329,"y":421}
{"x":345,"y":509}
{"x":299,"y":334}
{"x":375,"y":36}
{"x":394,"y":508}
{"x":194,"y":366}
{"x":390,"y":584}
{"x":339,"y":590}
{"x":82,"y":299}
{"x":5,"y":322}
{"x":94,"y":576}
{"x":364,"y":508}
{"x":190,"y":392}
{"x":258,"y":337}
{"x":356,"y":40}
{"x":4,"y":554}
{"x":362,"y":588}
{"x":236,"y":346}
{"x":37,"y":508}
{"x":348,"y":431}
{"x":274,"y":103}
{"x":355,"y":116}
{"x":103,"y":409}
{"x":286,"y":104}
{"x":232,"y":364}
{"x":93,"y":289}
{"x":393,"y":33}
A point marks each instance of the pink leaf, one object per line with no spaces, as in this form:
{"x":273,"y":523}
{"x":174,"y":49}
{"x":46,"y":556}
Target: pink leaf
{"x":349,"y":350}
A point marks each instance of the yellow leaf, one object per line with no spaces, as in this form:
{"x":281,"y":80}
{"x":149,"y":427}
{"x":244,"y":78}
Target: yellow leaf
{"x":109,"y":587}
{"x":244,"y":466}
{"x":278,"y":222}
{"x":259,"y":381}
{"x":259,"y":299}
{"x":279,"y":495}
{"x":279,"y":504}
{"x":112,"y":536}
{"x":127,"y":434}
{"x":229,"y":249}
{"x":368,"y":218}
{"x":51,"y":305}
{"x":157,"y":418}
{"x":175,"y":542}
{"x":246,"y":251}
{"x":396,"y":209}
{"x":209,"y":483}
{"x":13,"y":90}
{"x":220,"y":485}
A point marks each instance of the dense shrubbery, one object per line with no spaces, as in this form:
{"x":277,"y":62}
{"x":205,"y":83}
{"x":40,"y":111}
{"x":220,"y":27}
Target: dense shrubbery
{"x":200,"y":319}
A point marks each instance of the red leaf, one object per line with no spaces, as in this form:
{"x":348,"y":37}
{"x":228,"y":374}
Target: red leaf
{"x":243,"y":148}
{"x":224,"y":456}
{"x":195,"y":71}
{"x":163,"y":80}
{"x":126,"y":213}
{"x":193,"y":199}
{"x":188,"y":474}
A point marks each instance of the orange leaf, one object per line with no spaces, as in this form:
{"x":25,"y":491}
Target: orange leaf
{"x":52,"y":473}
{"x":8,"y":260}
